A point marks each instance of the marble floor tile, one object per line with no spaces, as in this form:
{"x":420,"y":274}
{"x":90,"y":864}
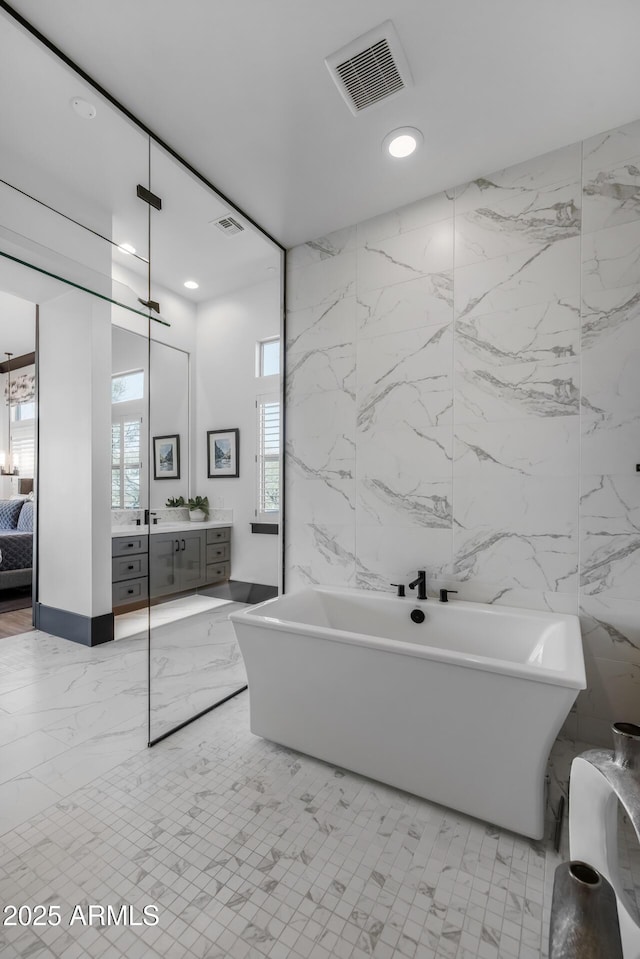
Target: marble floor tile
{"x":248,"y":850}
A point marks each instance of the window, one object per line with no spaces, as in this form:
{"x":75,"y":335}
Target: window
{"x":23,"y":444}
{"x":127,"y":386}
{"x":126,"y":462}
{"x":268,"y":357}
{"x":268,"y":457}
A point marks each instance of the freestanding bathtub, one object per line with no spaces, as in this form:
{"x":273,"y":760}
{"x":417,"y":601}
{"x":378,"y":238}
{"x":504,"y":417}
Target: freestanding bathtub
{"x":461,"y":709}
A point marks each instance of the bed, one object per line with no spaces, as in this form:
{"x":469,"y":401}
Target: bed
{"x":16,"y":542}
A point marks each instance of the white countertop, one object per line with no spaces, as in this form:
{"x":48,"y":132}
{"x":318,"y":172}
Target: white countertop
{"x":130,"y":529}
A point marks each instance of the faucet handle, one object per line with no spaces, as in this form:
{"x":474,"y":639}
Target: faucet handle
{"x":444,"y":594}
{"x":400,"y":588}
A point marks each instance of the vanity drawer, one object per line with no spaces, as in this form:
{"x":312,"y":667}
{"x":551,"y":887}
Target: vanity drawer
{"x":216,"y":572}
{"x":127,"y":545}
{"x":131,"y":591}
{"x":218,"y":553}
{"x":221,"y":535}
{"x":129,"y":567}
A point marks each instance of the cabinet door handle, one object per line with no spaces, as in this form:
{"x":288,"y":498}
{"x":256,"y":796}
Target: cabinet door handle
{"x":177,"y":549}
{"x":130,"y":545}
{"x":129,"y":591}
{"x":184,"y":545}
{"x":130,"y":566}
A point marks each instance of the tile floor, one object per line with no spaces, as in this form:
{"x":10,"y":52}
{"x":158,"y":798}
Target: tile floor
{"x":246,"y":848}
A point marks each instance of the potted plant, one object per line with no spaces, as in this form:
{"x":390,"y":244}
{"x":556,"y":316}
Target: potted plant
{"x":175,"y":501}
{"x":198,"y":508}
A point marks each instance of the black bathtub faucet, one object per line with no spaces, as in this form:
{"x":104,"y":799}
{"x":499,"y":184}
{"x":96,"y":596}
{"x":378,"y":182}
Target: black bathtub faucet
{"x":421,"y":583}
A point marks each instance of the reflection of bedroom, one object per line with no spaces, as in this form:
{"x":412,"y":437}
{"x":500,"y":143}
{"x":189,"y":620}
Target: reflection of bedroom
{"x":17,"y":461}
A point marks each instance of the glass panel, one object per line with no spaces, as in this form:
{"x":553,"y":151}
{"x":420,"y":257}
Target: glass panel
{"x":222,"y":295}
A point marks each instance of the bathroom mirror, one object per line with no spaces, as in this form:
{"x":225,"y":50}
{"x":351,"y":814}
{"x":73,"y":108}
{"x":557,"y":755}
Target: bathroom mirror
{"x":198,"y":571}
{"x":111,"y":228}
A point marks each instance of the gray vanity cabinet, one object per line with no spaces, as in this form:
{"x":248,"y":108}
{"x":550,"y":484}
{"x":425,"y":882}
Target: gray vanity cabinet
{"x":183,"y":561}
{"x":129,"y":571}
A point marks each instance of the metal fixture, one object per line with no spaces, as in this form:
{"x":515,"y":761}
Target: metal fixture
{"x":229,"y":225}
{"x":371,"y":68}
{"x":421,"y":583}
{"x":400,"y":588}
{"x":148,"y":197}
{"x":417,"y":616}
{"x":584,"y":915}
{"x":402,"y":142}
{"x":9,"y":465}
{"x":444,"y":594}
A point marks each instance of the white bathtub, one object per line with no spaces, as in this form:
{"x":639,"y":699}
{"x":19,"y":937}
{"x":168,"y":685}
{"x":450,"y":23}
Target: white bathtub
{"x":462,"y":709}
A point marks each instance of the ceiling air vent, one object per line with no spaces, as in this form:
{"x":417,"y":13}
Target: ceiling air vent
{"x":228,"y":225}
{"x":371,"y":68}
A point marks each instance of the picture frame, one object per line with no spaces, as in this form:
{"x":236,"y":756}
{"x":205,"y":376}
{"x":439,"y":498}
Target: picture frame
{"x":166,"y":457}
{"x":223,"y":453}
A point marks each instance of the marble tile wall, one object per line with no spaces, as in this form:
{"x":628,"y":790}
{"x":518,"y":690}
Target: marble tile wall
{"x":463,"y":394}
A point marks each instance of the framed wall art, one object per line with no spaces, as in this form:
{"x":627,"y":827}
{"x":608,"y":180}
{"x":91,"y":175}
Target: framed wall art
{"x":166,"y":457}
{"x":222,"y":453}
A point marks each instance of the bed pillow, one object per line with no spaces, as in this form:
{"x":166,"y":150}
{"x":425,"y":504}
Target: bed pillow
{"x":25,"y":520}
{"x":9,"y":513}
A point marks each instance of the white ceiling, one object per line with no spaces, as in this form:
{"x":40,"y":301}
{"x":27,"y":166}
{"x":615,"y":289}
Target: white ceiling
{"x":239,"y":88}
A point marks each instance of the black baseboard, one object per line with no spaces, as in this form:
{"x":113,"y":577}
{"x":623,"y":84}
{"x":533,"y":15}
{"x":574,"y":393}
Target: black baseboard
{"x":87,"y":630}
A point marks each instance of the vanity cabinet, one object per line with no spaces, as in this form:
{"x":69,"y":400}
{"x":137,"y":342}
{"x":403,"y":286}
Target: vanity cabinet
{"x":188,"y":560}
{"x":129,"y":570}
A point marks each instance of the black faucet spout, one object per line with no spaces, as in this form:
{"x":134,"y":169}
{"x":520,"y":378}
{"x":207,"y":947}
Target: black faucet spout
{"x":421,"y":583}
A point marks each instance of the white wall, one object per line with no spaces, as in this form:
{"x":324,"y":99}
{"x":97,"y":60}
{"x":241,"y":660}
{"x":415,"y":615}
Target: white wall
{"x":74,"y":513}
{"x":226,"y":387}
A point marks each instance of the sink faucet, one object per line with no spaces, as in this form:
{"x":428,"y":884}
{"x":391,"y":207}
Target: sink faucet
{"x":421,"y":583}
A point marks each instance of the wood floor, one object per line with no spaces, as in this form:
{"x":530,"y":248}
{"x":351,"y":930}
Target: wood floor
{"x":17,"y":621}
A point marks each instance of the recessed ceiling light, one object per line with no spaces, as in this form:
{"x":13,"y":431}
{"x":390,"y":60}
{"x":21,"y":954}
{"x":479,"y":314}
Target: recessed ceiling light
{"x":402,"y":142}
{"x":126,"y":248}
{"x":83,"y":108}
{"x":191,"y":284}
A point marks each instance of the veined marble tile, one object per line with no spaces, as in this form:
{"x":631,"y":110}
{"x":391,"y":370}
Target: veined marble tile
{"x":611,"y":354}
{"x":522,"y":180}
{"x":536,"y":446}
{"x":404,"y":477}
{"x":524,"y":222}
{"x":403,"y":500}
{"x":513,"y":392}
{"x":322,"y":248}
{"x":521,"y":532}
{"x":322,"y":370}
{"x":27,"y":751}
{"x":611,"y":258}
{"x":431,"y":209}
{"x":412,"y":305}
{"x":321,"y":326}
{"x":610,"y":535}
{"x":388,"y":554}
{"x":520,"y":279}
{"x":21,"y":798}
{"x":405,"y":378}
{"x":479,"y":590}
{"x":320,"y":553}
{"x":605,"y":312}
{"x":606,"y":149}
{"x":611,"y":195}
{"x":321,"y":437}
{"x":592,"y":729}
{"x":613,"y":690}
{"x":542,"y":563}
{"x":543,"y":332}
{"x":609,"y":443}
{"x":611,"y":627}
{"x":407,"y":256}
{"x":327,"y":500}
{"x":321,"y":283}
